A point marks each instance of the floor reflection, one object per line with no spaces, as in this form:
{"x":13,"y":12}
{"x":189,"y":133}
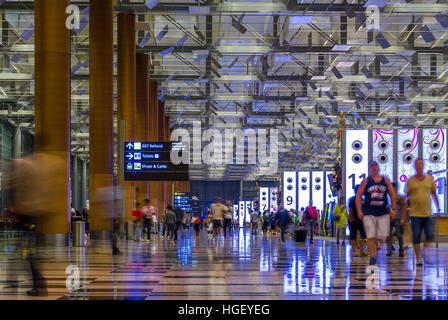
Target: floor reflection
{"x":240,"y":266}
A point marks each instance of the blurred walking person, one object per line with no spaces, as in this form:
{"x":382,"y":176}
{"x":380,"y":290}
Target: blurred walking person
{"x":218,"y":214}
{"x":419,"y":190}
{"x":31,"y":183}
{"x":170,"y":222}
{"x":283,"y":219}
{"x":227,"y":217}
{"x":355,"y":226}
{"x":340,"y":216}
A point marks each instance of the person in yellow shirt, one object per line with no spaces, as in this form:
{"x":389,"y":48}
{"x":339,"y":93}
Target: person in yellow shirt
{"x":340,"y":216}
{"x":419,"y":190}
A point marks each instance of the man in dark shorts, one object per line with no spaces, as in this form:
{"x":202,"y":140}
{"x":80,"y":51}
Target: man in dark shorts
{"x":355,"y":226}
{"x":374,"y":211}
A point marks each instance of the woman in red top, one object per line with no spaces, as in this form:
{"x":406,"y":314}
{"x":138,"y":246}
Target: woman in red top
{"x":137,"y":217}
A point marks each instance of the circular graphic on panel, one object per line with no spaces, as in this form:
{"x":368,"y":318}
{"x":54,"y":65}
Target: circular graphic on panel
{"x":304,"y":187}
{"x":435,"y":157}
{"x":403,"y":178}
{"x":357,"y":145}
{"x":357,"y":158}
{"x":264,"y":198}
{"x":304,"y":180}
{"x":435,"y":144}
{"x":408,"y":144}
{"x":317,"y":180}
{"x":289,"y":180}
{"x":382,"y":158}
{"x":382,"y":145}
{"x":289,"y":187}
{"x":317,"y":187}
{"x":407,"y":158}
{"x":263,"y":193}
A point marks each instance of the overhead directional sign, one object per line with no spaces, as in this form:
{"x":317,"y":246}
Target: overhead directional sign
{"x":151,"y":161}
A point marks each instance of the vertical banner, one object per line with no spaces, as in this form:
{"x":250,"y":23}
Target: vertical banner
{"x":264,"y":199}
{"x":273,"y":199}
{"x":383,"y":152}
{"x":355,"y":159}
{"x":289,"y":190}
{"x":235,"y":213}
{"x":248,"y":208}
{"x":304,"y":185}
{"x":317,"y":193}
{"x":407,"y":154}
{"x":242,"y":213}
{"x":434,"y":159}
{"x":328,"y":193}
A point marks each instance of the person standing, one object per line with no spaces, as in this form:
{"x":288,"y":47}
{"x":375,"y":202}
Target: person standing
{"x":311,"y":217}
{"x":254,"y":221}
{"x":283,"y":219}
{"x":396,"y":225}
{"x":147,"y":219}
{"x":209,"y":223}
{"x":265,"y":221}
{"x":179,"y":219}
{"x":355,"y":225}
{"x":272,"y":222}
{"x":340,"y":216}
{"x":419,"y":190}
{"x":374,"y":212}
{"x":227,"y":217}
{"x":218,"y":214}
{"x":137,"y":217}
{"x":170,"y":222}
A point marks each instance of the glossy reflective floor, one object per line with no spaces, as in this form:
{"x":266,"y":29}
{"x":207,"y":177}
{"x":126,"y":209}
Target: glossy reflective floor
{"x":239,"y":267}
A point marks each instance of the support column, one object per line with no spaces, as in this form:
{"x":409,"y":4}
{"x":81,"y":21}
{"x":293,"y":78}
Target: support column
{"x":153,"y":135}
{"x":101,"y":131}
{"x":161,"y":134}
{"x":142,"y":120}
{"x":52,"y":114}
{"x":168,"y":196}
{"x":75,"y":183}
{"x":84,"y":185}
{"x":126,"y":92}
{"x":17,"y":147}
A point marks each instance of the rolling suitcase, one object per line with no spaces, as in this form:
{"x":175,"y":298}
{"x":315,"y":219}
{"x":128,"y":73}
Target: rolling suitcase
{"x":300,"y":234}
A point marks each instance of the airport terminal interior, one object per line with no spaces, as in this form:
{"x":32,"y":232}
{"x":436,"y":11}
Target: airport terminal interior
{"x":223,"y":149}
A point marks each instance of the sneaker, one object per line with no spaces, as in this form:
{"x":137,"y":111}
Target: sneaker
{"x":401,"y":253}
{"x":419,"y":263}
{"x":372,"y":261}
{"x":389,"y":253}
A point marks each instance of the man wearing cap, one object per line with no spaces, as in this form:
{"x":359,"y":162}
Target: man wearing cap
{"x":374,"y":211}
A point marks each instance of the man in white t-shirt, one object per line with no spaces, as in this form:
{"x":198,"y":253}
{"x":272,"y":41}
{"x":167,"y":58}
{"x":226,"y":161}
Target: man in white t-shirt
{"x":218,"y":213}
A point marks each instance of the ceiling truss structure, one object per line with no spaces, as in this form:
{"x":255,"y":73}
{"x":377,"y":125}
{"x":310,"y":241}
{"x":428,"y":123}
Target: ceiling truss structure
{"x":261,"y":64}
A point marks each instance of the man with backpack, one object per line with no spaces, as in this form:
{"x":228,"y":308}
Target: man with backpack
{"x":283,"y":219}
{"x":311,"y":217}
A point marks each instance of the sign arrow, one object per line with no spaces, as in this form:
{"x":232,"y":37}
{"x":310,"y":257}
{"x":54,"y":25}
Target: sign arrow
{"x":129,"y":146}
{"x":129,"y":156}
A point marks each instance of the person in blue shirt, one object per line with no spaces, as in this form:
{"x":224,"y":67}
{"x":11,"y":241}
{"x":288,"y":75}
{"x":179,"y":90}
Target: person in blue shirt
{"x":283,"y":219}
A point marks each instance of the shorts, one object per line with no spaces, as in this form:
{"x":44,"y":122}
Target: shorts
{"x":217,"y":224}
{"x":377,"y":227}
{"x":418,"y":224}
{"x":354,"y":227}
